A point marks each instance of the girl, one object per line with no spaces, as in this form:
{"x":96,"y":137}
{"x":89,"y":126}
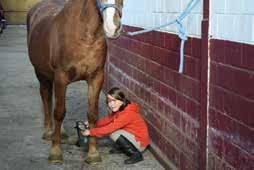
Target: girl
{"x":125,"y":126}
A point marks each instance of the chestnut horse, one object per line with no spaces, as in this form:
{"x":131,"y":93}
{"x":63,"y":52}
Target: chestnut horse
{"x":66,"y":43}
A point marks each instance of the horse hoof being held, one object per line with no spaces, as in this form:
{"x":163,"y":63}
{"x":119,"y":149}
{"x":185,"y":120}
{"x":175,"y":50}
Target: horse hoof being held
{"x":66,"y":43}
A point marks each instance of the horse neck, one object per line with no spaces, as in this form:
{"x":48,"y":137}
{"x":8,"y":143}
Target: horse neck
{"x":83,"y":17}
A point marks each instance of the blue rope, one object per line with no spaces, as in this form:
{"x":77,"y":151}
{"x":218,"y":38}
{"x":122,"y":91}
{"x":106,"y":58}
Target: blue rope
{"x":181,"y":31}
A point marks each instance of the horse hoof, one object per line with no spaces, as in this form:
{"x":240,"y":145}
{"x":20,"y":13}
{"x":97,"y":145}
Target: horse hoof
{"x":54,"y":160}
{"x":93,"y":159}
{"x":47,"y":135}
{"x":55,"y":156}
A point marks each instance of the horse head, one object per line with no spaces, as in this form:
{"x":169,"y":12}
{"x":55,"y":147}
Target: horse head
{"x":111,"y":13}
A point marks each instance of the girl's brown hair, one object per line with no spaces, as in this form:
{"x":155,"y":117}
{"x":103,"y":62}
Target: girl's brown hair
{"x":117,"y":94}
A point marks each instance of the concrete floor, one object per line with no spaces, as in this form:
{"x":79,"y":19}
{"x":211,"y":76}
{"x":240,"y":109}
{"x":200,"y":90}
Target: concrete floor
{"x":21,"y":118}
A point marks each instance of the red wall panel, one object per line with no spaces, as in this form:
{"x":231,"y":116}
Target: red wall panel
{"x":231,"y":135}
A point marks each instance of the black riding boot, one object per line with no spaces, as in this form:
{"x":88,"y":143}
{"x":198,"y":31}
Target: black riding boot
{"x":130,"y":150}
{"x":116,"y":149}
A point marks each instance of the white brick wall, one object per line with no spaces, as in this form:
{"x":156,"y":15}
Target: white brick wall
{"x":150,"y":13}
{"x":232,"y":20}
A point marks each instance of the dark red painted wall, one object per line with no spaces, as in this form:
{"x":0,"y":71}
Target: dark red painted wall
{"x":146,"y":68}
{"x":231,"y":110}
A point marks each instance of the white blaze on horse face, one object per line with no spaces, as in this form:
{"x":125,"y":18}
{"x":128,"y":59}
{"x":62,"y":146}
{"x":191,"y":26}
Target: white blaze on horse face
{"x":108,"y":15}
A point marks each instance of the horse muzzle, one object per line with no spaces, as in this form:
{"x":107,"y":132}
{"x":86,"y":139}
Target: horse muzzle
{"x":117,"y":33}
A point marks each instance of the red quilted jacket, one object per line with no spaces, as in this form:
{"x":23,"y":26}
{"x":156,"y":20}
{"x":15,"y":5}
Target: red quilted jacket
{"x":129,"y":120}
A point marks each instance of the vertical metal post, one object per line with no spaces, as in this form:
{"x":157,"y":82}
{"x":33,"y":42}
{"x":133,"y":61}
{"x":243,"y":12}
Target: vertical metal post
{"x":204,"y":88}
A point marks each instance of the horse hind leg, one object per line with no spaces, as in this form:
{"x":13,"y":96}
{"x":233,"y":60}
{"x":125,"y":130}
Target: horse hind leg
{"x":60,"y":86}
{"x":46,"y":96}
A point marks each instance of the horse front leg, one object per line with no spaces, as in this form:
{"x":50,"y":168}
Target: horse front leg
{"x":94,"y":88}
{"x":60,"y":86}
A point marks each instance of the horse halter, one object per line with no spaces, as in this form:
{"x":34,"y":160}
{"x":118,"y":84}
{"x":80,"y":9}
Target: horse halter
{"x":102,"y":7}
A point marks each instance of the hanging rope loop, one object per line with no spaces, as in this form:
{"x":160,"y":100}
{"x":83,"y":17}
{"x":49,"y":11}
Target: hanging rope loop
{"x":181,"y":30}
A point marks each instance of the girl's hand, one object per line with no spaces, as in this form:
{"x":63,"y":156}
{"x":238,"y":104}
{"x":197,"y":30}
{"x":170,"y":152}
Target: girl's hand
{"x":86,"y":132}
